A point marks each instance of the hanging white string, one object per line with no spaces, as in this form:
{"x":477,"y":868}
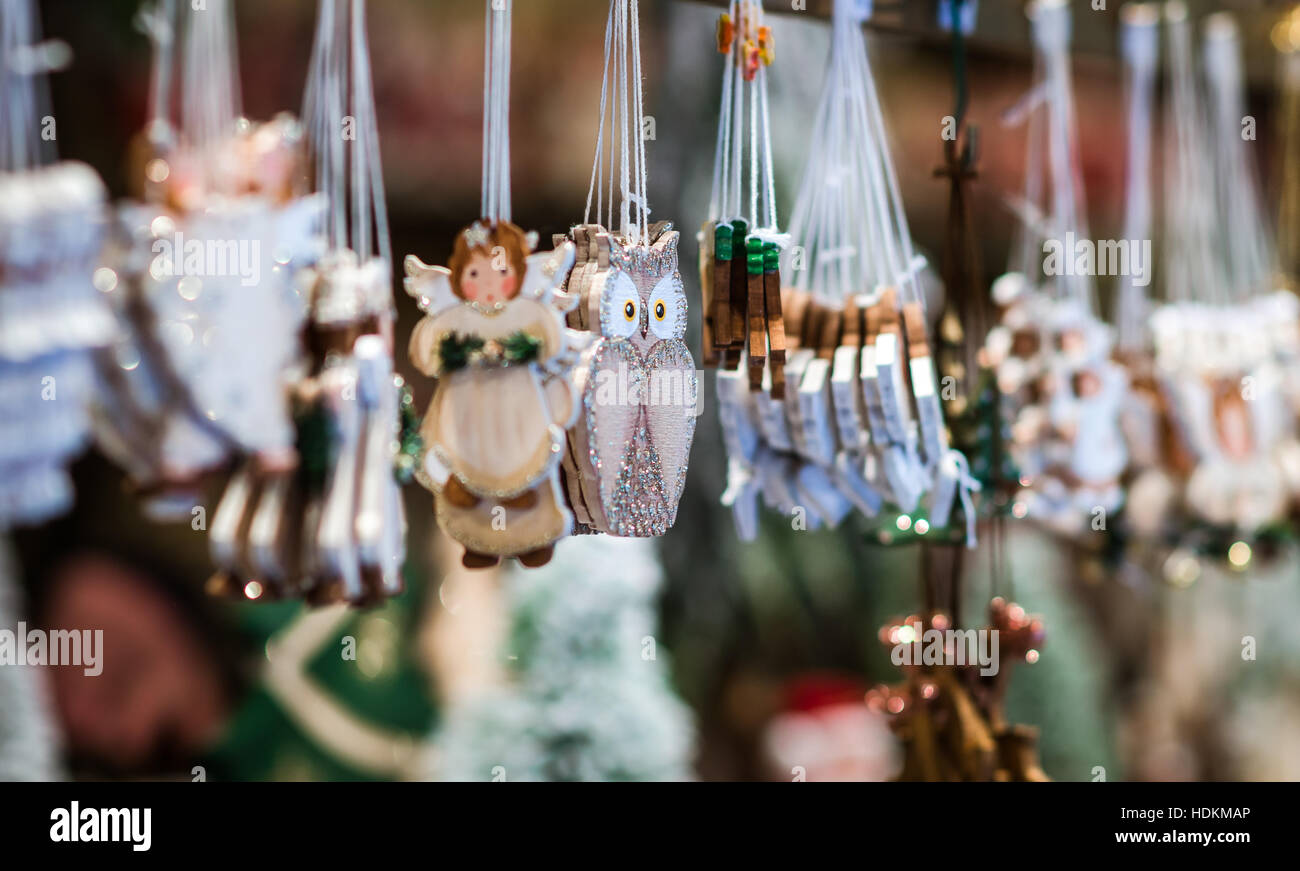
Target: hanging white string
{"x":496,"y":110}
{"x":737,"y":138}
{"x":1139,"y":43}
{"x":598,"y":164}
{"x":370,"y":129}
{"x":902,"y":264}
{"x":1026,"y":257}
{"x":624,"y":112}
{"x":624,"y":169}
{"x":769,"y":176}
{"x":744,"y":136}
{"x":158,"y":23}
{"x":342,"y":129}
{"x":1246,"y":245}
{"x":1050,"y":20}
{"x":639,"y":130}
{"x":210,"y":95}
{"x":323,"y":118}
{"x":726,"y":118}
{"x":849,"y":217}
{"x":24,"y":63}
{"x":1192,"y":271}
{"x":823,"y":190}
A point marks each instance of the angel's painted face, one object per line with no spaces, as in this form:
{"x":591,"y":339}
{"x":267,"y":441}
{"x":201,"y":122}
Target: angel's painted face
{"x":489,"y":279}
{"x":1072,"y":342}
{"x":1234,"y":427}
{"x":1086,"y":384}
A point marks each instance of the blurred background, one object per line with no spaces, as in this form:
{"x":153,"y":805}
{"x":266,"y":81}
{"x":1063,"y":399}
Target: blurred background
{"x":771,"y":646}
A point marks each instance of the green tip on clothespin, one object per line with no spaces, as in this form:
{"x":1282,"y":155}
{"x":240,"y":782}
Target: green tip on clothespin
{"x":754,"y":255}
{"x":771,"y":257}
{"x":722,"y":242}
{"x":739,"y":228}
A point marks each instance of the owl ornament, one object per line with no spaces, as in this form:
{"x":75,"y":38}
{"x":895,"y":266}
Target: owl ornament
{"x":627,"y":456}
{"x":494,"y":338}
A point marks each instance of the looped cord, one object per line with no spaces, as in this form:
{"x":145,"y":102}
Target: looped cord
{"x":624,"y":112}
{"x":744,"y":140}
{"x":1050,"y":25}
{"x":741,"y":496}
{"x":1192,"y":272}
{"x":496,"y":110}
{"x":157,"y":23}
{"x":966,"y":485}
{"x":1139,"y":44}
{"x":342,"y":128}
{"x":24,"y":99}
{"x":210,"y":93}
{"x":848,"y":217}
{"x":1246,"y":245}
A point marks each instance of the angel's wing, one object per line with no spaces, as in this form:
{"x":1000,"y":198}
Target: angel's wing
{"x":545,"y":275}
{"x":298,"y":226}
{"x":430,"y":285}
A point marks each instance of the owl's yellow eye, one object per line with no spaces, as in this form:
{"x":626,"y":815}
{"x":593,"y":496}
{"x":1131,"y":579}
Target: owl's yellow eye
{"x":629,"y":310}
{"x":661,"y":311}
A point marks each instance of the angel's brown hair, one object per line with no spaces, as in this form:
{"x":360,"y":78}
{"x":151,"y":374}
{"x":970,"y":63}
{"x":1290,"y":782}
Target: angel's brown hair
{"x":504,"y":235}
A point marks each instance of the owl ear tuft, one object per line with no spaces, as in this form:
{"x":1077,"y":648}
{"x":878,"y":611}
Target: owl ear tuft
{"x":669,"y":241}
{"x":658,"y":228}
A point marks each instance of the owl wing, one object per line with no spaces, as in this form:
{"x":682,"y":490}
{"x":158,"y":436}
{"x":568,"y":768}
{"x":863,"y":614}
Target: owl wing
{"x":429,"y":285}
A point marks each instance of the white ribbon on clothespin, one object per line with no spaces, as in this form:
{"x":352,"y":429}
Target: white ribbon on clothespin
{"x":966,"y":485}
{"x":1020,"y":111}
{"x":741,"y":496}
{"x":48,"y":56}
{"x":913,"y":269}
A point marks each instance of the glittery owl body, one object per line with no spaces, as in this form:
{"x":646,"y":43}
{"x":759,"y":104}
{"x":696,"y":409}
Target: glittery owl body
{"x":630,"y":446}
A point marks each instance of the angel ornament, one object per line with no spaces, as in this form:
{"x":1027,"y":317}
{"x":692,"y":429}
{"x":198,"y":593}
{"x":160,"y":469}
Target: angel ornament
{"x":1087,"y":414}
{"x":493,"y":336}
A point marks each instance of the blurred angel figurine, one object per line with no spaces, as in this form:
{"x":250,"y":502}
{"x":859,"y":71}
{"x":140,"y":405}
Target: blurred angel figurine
{"x":1088,"y":416}
{"x":1238,"y":483}
{"x":493,"y":336}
